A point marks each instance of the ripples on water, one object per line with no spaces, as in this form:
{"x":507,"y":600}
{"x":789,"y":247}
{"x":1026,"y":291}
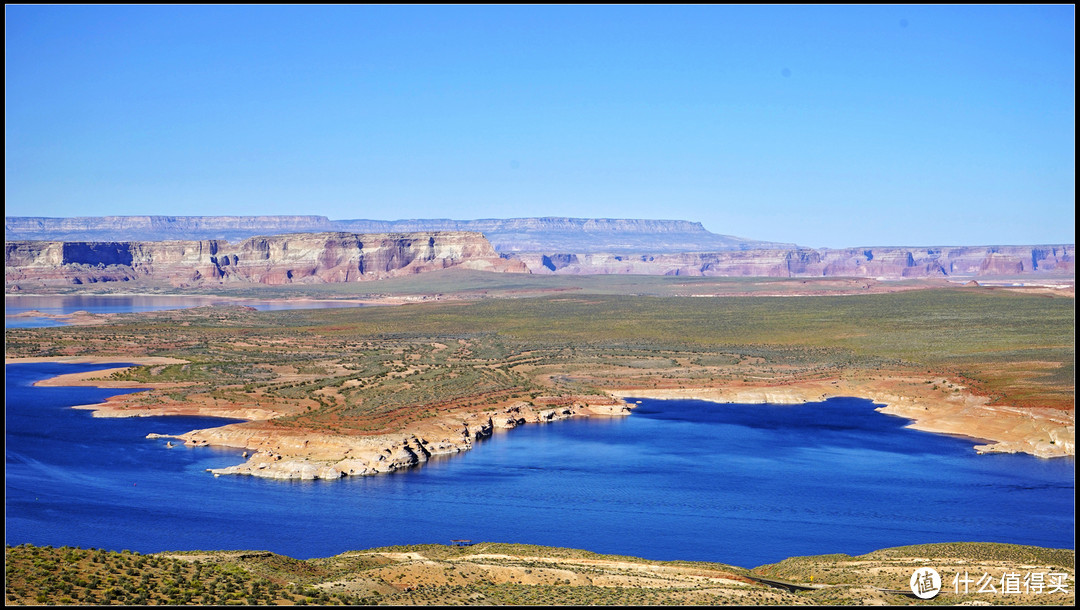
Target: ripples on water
{"x":741,"y":484}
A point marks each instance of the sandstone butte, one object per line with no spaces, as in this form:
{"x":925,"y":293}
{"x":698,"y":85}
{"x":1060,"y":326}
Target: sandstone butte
{"x":283,"y":453}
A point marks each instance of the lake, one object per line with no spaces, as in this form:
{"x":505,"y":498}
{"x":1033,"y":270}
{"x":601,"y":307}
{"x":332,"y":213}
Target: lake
{"x":739,"y":484}
{"x":101,"y":304}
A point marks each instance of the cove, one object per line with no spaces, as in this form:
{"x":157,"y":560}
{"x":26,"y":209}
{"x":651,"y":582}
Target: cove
{"x":677,"y":479}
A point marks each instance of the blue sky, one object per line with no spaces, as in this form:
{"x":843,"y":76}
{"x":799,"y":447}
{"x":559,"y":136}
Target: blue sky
{"x":823,"y":126}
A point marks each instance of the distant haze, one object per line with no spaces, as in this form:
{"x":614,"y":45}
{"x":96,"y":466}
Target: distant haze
{"x":506,"y":235}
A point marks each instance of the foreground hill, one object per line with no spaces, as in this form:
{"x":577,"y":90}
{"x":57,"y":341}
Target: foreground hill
{"x":515,"y":574}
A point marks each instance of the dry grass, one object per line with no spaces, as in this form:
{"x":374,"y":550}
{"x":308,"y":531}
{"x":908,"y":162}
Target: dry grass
{"x":504,"y":574}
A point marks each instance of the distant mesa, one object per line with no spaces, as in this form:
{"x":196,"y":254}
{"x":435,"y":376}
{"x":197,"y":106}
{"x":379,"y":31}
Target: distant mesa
{"x":199,"y":250}
{"x":506,"y":235}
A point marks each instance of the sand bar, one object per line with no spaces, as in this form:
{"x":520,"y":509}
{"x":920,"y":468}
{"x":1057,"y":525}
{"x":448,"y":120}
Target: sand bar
{"x":93,"y":378}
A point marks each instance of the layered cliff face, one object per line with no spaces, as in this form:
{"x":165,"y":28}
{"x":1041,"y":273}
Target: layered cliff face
{"x":282,"y":259}
{"x":577,"y":246}
{"x":888,"y":263}
{"x":352,"y":257}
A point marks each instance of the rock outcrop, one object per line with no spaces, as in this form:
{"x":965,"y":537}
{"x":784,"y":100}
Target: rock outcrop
{"x":886,"y":263}
{"x":281,"y":453}
{"x":281,"y":259}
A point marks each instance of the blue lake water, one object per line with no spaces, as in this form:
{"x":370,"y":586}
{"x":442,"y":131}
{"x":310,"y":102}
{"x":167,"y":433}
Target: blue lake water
{"x":100,"y":304}
{"x":740,"y":484}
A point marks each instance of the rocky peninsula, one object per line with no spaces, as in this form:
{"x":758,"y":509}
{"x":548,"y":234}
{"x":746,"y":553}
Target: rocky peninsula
{"x":287,"y":453}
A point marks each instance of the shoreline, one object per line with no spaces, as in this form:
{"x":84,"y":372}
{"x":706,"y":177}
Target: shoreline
{"x":1043,"y":433}
{"x":91,"y":378}
{"x":86,"y":318}
{"x":177,"y":295}
{"x":288,"y":453}
{"x":93,"y":360}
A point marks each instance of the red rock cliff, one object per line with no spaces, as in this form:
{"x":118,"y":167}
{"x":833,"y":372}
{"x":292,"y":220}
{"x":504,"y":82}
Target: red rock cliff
{"x":280,"y":259}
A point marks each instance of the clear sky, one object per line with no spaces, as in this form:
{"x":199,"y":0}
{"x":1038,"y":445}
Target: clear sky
{"x":824,"y":126}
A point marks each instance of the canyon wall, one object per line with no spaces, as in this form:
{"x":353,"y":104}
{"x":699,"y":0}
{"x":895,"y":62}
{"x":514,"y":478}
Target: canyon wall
{"x":279,"y":259}
{"x":887,"y":263}
{"x":96,"y":249}
{"x":352,"y":257}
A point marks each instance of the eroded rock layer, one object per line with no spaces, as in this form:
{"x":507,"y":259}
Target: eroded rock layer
{"x":280,"y":259}
{"x":303,"y":454}
{"x":888,"y":263}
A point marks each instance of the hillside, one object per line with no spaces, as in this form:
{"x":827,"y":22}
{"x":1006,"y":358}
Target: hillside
{"x":514,"y":574}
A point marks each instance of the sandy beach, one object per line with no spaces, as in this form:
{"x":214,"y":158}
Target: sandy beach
{"x":93,"y":378}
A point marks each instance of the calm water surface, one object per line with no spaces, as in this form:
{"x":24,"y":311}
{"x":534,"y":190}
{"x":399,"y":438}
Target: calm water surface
{"x":741,"y":484}
{"x":59,"y":305}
